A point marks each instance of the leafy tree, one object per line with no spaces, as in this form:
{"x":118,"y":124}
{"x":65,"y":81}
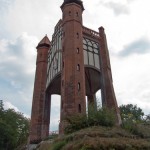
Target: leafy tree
{"x":131,"y":112}
{"x":14,"y":128}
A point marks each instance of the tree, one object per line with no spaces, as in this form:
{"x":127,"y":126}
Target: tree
{"x":14,"y":128}
{"x":131,"y":112}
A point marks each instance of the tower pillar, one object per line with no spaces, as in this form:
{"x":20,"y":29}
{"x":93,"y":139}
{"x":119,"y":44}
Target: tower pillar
{"x":46,"y":116}
{"x":92,"y":100}
{"x":39,"y":91}
{"x":108,"y":94}
{"x":72,"y":77}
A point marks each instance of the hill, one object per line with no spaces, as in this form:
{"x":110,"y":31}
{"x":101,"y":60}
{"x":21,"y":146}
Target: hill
{"x":101,"y":138}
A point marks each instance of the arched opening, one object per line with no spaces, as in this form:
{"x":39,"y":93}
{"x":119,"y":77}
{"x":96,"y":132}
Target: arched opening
{"x":54,"y":113}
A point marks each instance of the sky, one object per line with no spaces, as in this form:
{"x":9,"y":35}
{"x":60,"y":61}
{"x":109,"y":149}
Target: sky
{"x":23,"y":23}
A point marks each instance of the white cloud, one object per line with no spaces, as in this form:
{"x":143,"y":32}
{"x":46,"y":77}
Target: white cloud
{"x":17,"y":67}
{"x":8,"y":105}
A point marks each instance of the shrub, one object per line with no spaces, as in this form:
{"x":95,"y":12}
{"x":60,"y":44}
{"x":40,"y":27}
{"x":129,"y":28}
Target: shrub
{"x":99,"y":117}
{"x":59,"y":145}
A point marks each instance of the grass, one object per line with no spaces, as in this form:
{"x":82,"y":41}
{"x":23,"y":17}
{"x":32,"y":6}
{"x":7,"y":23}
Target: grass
{"x":100,"y":138}
{"x":98,"y":132}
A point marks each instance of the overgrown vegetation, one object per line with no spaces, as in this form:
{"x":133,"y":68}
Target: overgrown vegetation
{"x":99,"y":117}
{"x":134,"y":121}
{"x":96,"y":131}
{"x":14,"y":128}
{"x":100,"y":138}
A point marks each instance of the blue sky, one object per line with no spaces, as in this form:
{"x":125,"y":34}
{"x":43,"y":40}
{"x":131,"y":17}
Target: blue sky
{"x":23,"y":23}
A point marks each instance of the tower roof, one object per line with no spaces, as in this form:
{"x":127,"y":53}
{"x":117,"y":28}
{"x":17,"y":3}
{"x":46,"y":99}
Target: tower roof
{"x":79,"y":2}
{"x":44,"y":42}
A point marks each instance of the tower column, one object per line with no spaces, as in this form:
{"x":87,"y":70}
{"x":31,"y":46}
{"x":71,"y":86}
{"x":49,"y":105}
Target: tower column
{"x":72,"y":78}
{"x":39,"y":91}
{"x":46,"y":116}
{"x":108,"y":94}
{"x":92,"y":101}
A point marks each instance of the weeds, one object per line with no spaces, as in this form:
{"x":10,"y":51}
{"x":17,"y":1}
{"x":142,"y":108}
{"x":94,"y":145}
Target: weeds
{"x":99,"y":117}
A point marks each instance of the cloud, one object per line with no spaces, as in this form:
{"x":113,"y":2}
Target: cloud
{"x":117,"y":7}
{"x":5,"y":5}
{"x":8,"y":105}
{"x":131,"y":80}
{"x":34,"y":17}
{"x":17,"y":67}
{"x":140,"y":46}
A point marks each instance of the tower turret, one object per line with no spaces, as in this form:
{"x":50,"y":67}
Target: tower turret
{"x":39,"y":90}
{"x":73,"y":79}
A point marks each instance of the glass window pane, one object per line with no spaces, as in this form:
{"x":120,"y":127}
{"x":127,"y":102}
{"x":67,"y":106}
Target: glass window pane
{"x":89,"y":43}
{"x":84,"y":41}
{"x":96,"y":58}
{"x":95,"y":46}
{"x":95,"y":50}
{"x":91,"y":61}
{"x":85,"y":58}
{"x":90,"y":48}
{"x":84,"y":46}
{"x":59,"y":62}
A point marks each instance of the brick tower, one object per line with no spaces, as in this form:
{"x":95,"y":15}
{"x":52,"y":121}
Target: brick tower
{"x":73,"y":79}
{"x":74,"y":64}
{"x":39,"y":90}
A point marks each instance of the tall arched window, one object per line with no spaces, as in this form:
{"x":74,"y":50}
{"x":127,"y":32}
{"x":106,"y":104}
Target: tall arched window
{"x":79,"y":86}
{"x":78,"y":67}
{"x":77,"y":50}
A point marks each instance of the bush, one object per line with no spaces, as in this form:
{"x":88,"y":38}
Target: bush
{"x":59,"y":145}
{"x":99,"y":117}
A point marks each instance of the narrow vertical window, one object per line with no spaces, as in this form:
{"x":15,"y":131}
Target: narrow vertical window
{"x":77,"y":14}
{"x":78,"y":67}
{"x":79,"y":86}
{"x":69,"y":13}
{"x":79,"y":108}
{"x":77,"y":35}
{"x":77,"y":50}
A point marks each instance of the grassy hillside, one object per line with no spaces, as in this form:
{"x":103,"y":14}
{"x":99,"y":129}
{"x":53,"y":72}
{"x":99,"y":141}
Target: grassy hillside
{"x":101,"y":138}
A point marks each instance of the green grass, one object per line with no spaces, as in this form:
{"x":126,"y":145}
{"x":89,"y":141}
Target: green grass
{"x":101,"y":138}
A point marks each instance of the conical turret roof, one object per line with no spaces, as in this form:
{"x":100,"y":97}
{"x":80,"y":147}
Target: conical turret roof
{"x":44,"y":42}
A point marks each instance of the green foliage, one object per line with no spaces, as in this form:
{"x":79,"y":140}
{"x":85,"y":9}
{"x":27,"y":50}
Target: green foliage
{"x":102,"y":138}
{"x":50,"y":137}
{"x":99,"y":117}
{"x":131,"y":112}
{"x":133,"y":121}
{"x":14,"y":128}
{"x":59,"y":145}
{"x":147,"y":119}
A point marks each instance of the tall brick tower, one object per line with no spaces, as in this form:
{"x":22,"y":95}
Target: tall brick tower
{"x":74,"y":64}
{"x":73,"y":79}
{"x":39,"y":90}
